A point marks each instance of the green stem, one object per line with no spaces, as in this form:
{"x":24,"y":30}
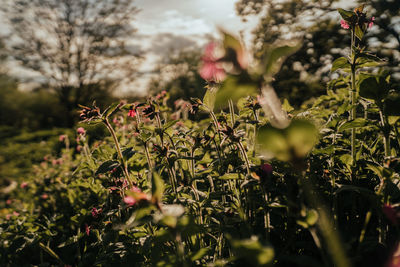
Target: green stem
{"x":353,"y":96}
{"x":118,"y":148}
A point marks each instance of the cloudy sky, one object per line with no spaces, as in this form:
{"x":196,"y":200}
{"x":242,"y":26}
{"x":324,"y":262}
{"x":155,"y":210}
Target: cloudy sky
{"x":165,"y":25}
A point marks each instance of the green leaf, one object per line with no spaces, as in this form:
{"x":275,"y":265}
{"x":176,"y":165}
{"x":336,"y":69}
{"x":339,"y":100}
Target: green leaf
{"x":295,"y":141}
{"x":340,"y":63}
{"x":111,"y":110}
{"x":274,"y":58}
{"x":229,"y":176}
{"x":356,"y":123}
{"x":157,"y":187}
{"x":234,"y":88}
{"x":107,"y":166}
{"x":392,"y":105}
{"x":374,"y":87}
{"x":209,"y":98}
{"x":359,"y":32}
{"x":252,"y":252}
{"x":169,"y":124}
{"x":128,"y":153}
{"x":346,"y":15}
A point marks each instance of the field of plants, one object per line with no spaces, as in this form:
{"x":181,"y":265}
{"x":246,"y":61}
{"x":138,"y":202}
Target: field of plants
{"x":237,"y":178}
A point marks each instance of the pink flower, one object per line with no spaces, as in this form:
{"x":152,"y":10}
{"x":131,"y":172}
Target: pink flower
{"x":391,"y":214}
{"x":266,"y":168}
{"x":344,"y":24}
{"x":371,"y":22}
{"x":96,"y":212}
{"x":210,"y":69}
{"x":81,"y":130}
{"x":87,"y":229}
{"x":9,"y":201}
{"x":130,"y":201}
{"x":132,"y":113}
{"x":62,"y":137}
{"x":15,"y":213}
{"x":78,"y":148}
{"x":24,"y":185}
{"x":44,"y":196}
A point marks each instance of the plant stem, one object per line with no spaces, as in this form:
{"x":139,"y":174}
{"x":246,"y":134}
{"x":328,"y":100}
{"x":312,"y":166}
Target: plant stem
{"x":353,"y":96}
{"x":118,"y":148}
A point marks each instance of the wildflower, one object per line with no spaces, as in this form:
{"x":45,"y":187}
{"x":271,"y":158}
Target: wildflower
{"x":344,"y":24}
{"x":371,"y":22}
{"x":88,"y":114}
{"x":9,"y":201}
{"x":44,"y":196}
{"x":24,"y":185}
{"x":130,"y":201}
{"x":132,"y":113}
{"x":391,"y":214}
{"x":210,"y":69}
{"x":266,"y":168}
{"x":62,"y":137}
{"x":78,"y":148}
{"x":96,"y":212}
{"x":81,"y":130}
{"x":87,"y":229}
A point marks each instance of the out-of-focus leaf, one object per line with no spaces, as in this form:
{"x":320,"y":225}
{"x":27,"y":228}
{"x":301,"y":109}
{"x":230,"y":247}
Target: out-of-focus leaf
{"x":294,"y":141}
{"x":252,"y":252}
{"x":209,"y":97}
{"x":275,"y":56}
{"x":374,"y":87}
{"x":111,"y":110}
{"x":234,"y":87}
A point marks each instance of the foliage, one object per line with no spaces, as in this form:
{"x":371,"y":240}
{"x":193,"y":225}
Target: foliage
{"x":257,"y":184}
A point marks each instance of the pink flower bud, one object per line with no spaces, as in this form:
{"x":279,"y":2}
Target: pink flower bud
{"x":130,"y":201}
{"x":81,"y":130}
{"x":24,"y":185}
{"x":344,"y":24}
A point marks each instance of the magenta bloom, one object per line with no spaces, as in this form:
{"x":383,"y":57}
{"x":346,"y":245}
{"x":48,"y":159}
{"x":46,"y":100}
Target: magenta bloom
{"x":130,"y":201}
{"x":210,"y":69}
{"x":96,"y":212}
{"x":391,"y":214}
{"x":80,"y":130}
{"x":371,"y":22}
{"x":62,"y":137}
{"x":87,"y":229}
{"x":132,"y":113}
{"x":24,"y":185}
{"x":344,"y":24}
{"x":266,"y":168}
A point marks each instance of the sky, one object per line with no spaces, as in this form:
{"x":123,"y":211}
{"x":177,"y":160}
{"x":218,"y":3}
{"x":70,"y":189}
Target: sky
{"x":165,"y":25}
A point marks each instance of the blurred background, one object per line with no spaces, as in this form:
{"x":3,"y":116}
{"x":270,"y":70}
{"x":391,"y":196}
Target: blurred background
{"x":56,"y":54}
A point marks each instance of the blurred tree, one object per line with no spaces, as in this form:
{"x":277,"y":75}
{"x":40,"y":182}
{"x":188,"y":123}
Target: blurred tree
{"x":178,"y":75}
{"x":317,"y":24}
{"x":78,"y":46}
